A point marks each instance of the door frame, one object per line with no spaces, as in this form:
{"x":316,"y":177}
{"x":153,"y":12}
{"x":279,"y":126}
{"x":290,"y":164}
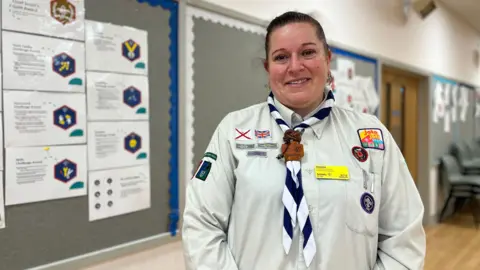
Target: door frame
{"x":409,"y":135}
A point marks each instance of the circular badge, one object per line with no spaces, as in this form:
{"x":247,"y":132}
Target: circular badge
{"x":360,"y":153}
{"x":367,"y":202}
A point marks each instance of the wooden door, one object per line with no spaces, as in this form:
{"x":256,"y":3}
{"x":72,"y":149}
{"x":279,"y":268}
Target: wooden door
{"x":399,"y":112}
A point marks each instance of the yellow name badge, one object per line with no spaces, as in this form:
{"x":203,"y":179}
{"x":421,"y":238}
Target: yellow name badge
{"x":332,"y":172}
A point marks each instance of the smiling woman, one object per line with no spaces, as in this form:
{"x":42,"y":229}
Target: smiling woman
{"x":290,"y":182}
{"x":298,"y":61}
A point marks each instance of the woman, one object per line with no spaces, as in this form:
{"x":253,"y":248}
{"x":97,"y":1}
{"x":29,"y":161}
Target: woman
{"x":297,"y":183}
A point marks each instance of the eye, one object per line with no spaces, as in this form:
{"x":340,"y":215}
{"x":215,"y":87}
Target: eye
{"x":309,"y":52}
{"x":280,"y":57}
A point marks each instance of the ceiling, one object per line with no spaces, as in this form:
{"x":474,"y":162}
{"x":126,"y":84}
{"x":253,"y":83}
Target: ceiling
{"x":469,"y":10}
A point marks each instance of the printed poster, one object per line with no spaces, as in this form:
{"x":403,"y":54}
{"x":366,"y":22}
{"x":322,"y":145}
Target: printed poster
{"x":56,"y":18}
{"x":40,"y":63}
{"x":118,"y":191}
{"x":112,"y":96}
{"x":118,"y":144}
{"x":45,"y":173}
{"x":41,"y":118}
{"x":125,"y":48}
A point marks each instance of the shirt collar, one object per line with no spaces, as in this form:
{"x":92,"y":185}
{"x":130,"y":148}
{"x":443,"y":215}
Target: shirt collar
{"x":293,"y":119}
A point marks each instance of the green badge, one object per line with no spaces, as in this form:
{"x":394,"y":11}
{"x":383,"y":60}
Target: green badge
{"x":211,"y":155}
{"x":204,"y":170}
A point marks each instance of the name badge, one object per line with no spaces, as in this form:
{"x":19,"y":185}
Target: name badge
{"x":332,"y":172}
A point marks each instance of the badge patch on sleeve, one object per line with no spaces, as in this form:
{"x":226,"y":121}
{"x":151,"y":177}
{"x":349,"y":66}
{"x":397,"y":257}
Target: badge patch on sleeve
{"x":211,"y":155}
{"x":371,"y":138}
{"x":204,"y":170}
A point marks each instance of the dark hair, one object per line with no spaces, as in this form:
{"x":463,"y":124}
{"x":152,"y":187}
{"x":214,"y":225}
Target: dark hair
{"x":294,"y":17}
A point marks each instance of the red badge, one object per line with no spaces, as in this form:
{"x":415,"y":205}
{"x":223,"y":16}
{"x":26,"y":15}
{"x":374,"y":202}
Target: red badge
{"x":360,"y":153}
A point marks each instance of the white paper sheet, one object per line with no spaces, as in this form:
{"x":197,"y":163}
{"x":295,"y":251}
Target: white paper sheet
{"x":2,"y":204}
{"x":371,"y":95}
{"x":464,"y":103}
{"x":126,"y":48}
{"x":113,"y":96}
{"x":45,"y":173}
{"x":41,"y":118}
{"x":118,"y":144}
{"x":455,"y":102}
{"x":438,"y":103}
{"x":57,"y":18}
{"x":40,"y":63}
{"x":118,"y":191}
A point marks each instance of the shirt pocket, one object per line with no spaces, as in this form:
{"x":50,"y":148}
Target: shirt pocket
{"x":362,"y":202}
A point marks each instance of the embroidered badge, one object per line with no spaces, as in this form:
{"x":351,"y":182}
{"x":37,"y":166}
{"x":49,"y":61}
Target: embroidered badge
{"x":245,"y":146}
{"x":210,"y":155}
{"x":367,"y":202}
{"x":256,"y":154}
{"x":360,"y":153}
{"x":371,"y":138}
{"x":262,"y":134}
{"x":267,"y":145}
{"x":242,"y":135}
{"x":204,"y":170}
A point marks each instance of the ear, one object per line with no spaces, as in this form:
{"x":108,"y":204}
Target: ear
{"x":265,"y":65}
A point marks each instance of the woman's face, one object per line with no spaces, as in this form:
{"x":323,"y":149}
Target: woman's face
{"x":297,"y":66}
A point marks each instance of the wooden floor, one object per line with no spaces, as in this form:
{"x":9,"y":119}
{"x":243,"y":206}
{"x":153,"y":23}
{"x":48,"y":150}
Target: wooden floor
{"x":454,"y":244}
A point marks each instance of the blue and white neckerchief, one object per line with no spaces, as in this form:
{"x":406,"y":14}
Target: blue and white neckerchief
{"x":294,"y":201}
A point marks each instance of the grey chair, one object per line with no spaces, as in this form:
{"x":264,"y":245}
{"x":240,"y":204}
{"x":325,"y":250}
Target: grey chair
{"x":468,"y":163}
{"x":460,"y":186}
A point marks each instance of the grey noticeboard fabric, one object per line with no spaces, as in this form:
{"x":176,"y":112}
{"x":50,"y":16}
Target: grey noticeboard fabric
{"x":45,"y":232}
{"x":228,"y":75}
{"x":440,"y":141}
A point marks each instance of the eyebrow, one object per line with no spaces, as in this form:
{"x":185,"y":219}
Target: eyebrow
{"x":303,"y":44}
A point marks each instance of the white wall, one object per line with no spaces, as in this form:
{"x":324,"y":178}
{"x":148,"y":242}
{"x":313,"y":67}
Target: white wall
{"x":442,"y":44}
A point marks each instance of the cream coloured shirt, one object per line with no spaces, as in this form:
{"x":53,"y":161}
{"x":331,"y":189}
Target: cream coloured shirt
{"x":233,"y":218}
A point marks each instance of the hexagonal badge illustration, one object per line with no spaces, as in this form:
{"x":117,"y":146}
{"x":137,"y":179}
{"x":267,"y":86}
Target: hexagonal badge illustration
{"x":132,"y":142}
{"x":65,"y":170}
{"x":63,"y":11}
{"x":63,"y":64}
{"x":131,"y":50}
{"x":132,"y":96}
{"x":64,"y":117}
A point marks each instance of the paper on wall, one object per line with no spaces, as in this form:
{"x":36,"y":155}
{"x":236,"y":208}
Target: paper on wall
{"x":438,"y":102}
{"x":447,"y":98}
{"x":126,"y":48}
{"x":118,"y":144}
{"x":45,"y":173}
{"x":40,"y":63}
{"x":112,"y":96}
{"x":41,"y":118}
{"x":344,"y":89}
{"x":454,"y":99}
{"x":118,"y":191}
{"x":464,"y":102}
{"x":57,"y":18}
{"x":346,"y":67}
{"x":368,"y":99}
{"x":2,"y":204}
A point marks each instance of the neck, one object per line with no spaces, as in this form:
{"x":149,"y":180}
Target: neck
{"x":309,"y":109}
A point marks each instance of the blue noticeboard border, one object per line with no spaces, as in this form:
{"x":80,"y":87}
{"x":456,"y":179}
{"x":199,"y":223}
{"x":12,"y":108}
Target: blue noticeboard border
{"x":172,"y":6}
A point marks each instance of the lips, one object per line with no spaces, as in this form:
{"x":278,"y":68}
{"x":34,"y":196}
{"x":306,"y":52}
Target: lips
{"x":299,"y":81}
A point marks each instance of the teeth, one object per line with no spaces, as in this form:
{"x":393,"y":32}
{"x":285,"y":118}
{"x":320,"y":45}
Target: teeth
{"x":298,"y":81}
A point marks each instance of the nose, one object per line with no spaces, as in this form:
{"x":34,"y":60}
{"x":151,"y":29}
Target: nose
{"x":295,"y":65}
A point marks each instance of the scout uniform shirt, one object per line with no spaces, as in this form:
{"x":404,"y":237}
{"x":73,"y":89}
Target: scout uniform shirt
{"x":233,"y":218}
